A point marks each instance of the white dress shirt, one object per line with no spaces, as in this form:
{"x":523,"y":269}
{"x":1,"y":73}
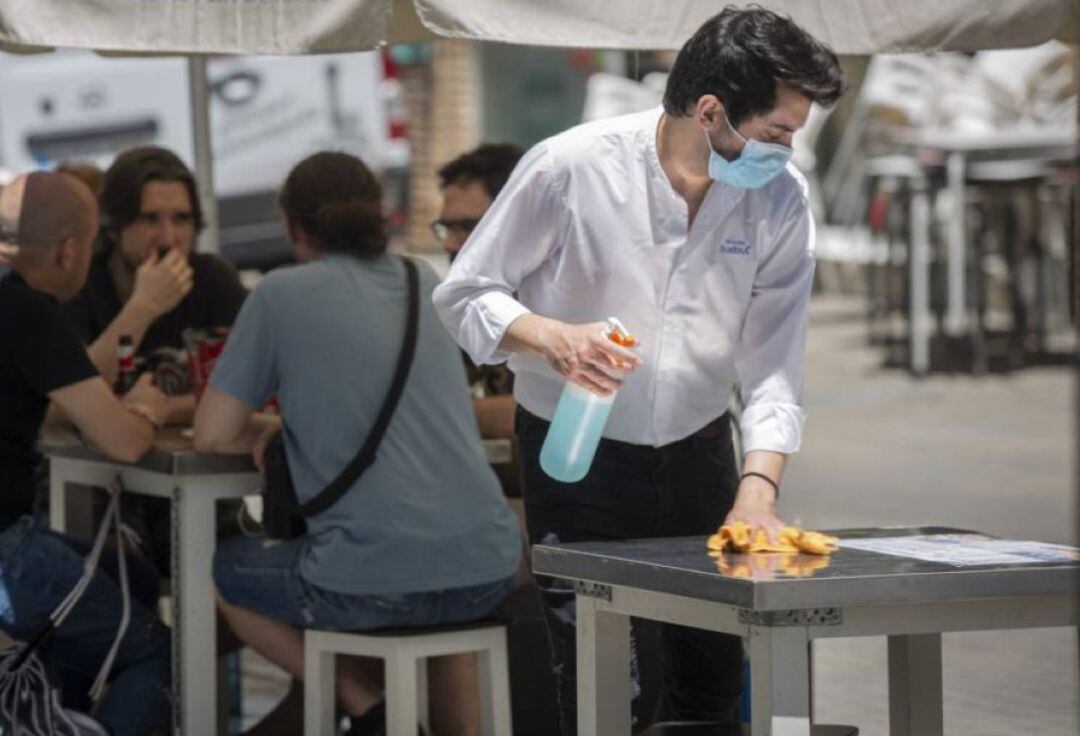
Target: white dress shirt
{"x":589,"y":227}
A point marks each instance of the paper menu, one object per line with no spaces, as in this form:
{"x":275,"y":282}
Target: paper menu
{"x":965,"y":550}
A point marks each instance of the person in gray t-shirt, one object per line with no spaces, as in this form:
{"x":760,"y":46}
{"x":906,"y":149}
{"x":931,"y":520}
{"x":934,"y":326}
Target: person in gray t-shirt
{"x":425,"y":536}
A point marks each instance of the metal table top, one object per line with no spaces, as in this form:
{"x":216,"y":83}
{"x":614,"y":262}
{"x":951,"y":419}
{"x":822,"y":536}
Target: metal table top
{"x":1056,"y":142}
{"x":172,"y":454}
{"x":847,"y":577}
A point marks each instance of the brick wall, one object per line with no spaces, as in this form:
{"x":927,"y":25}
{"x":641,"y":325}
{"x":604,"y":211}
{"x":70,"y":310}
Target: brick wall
{"x":443,"y":104}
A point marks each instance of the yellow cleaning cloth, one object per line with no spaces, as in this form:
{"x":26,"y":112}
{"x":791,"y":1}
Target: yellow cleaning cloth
{"x":770,"y":566}
{"x":736,"y":538}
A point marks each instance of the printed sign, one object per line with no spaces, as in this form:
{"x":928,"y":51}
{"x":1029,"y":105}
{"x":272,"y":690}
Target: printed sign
{"x":965,"y":550}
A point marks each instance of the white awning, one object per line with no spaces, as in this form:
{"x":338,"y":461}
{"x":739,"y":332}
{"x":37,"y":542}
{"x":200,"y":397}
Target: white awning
{"x":313,"y":26}
{"x":848,"y":26}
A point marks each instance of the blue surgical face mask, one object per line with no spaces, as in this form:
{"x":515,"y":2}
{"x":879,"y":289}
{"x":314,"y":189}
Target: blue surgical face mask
{"x":755,"y":167}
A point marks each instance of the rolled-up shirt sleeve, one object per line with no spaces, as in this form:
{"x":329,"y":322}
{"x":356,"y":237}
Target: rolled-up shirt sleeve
{"x":476,"y":301}
{"x":773,"y":339}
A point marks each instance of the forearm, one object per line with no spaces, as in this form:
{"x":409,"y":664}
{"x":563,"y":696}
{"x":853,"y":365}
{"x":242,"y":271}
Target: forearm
{"x":580,"y":352}
{"x":769,"y":464}
{"x":526,"y":335}
{"x":127,"y":438}
{"x":140,"y":438}
{"x":243,"y":441}
{"x":55,"y":420}
{"x":133,"y":320}
{"x":181,"y":409}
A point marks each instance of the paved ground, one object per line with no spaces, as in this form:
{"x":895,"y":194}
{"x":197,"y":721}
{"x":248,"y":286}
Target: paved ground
{"x":994,"y":454}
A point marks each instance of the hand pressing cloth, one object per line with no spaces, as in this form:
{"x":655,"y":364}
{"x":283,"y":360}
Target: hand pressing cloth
{"x":736,"y":538}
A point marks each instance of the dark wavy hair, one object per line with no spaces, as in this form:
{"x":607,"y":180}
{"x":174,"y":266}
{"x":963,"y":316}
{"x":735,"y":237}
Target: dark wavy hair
{"x":490,"y":164}
{"x":337,"y":202}
{"x":740,"y":55}
{"x":120,"y":197}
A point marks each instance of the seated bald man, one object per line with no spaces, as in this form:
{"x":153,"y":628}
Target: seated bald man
{"x":47,"y":223}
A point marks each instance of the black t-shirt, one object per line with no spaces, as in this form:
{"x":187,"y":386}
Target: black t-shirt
{"x":40,"y":351}
{"x":214,"y":300}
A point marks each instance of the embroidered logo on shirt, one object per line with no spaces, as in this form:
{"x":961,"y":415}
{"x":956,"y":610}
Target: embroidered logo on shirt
{"x":735,"y":246}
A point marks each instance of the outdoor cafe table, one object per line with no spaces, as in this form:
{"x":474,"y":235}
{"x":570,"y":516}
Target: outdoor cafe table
{"x":956,"y":150}
{"x":781,"y":603}
{"x":193,"y":482}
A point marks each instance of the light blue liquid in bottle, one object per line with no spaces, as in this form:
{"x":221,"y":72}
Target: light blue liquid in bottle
{"x":574,"y":433}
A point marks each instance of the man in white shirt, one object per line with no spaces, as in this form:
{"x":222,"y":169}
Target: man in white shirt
{"x":688,"y":225}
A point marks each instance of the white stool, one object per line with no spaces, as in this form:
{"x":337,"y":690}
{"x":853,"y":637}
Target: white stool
{"x":709,"y":729}
{"x":405,"y":653}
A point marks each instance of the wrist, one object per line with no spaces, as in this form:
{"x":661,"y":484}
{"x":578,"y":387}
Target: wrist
{"x":756,"y":491}
{"x":140,"y":309}
{"x":142,"y":410}
{"x":179,"y":409}
{"x":529,"y":334}
{"x":756,"y":476}
{"x":542,"y":336}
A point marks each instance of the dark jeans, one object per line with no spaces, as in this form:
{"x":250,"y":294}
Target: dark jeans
{"x":266,"y":579}
{"x":38,"y":568}
{"x":636,"y":492}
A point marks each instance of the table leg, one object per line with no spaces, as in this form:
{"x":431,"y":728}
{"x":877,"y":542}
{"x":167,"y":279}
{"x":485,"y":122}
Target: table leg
{"x":401,"y":707}
{"x":915,"y":707}
{"x":71,"y":497}
{"x":57,"y":496}
{"x":780,"y":681}
{"x":194,"y":616}
{"x":603,"y":670}
{"x":919,"y":280}
{"x":957,"y":238}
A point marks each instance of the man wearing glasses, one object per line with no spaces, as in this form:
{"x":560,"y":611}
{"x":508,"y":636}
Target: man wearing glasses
{"x":469,"y":184}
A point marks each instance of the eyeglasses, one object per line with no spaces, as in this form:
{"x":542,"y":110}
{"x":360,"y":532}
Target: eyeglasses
{"x":441,"y":229}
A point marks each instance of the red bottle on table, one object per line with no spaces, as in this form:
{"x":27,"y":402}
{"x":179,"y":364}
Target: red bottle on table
{"x":125,"y":365}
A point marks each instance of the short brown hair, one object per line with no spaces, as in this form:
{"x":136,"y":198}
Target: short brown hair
{"x":490,"y":164}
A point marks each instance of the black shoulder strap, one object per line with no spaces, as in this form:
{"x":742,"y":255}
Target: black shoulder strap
{"x":363,"y":460}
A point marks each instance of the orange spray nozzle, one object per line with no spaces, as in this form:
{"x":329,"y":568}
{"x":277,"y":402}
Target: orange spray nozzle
{"x":619,"y":335}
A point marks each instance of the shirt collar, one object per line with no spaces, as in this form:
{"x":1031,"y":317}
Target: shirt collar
{"x":730,"y":194}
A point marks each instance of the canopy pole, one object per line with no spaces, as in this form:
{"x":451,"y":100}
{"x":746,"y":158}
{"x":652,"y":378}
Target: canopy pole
{"x":1076,"y":222}
{"x":199,"y":86}
{"x":1075,"y":218}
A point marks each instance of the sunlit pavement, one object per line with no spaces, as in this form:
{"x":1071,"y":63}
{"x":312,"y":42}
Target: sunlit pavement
{"x":995,"y":454}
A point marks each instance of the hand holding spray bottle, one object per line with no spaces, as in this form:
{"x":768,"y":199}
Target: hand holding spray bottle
{"x":579,"y":420}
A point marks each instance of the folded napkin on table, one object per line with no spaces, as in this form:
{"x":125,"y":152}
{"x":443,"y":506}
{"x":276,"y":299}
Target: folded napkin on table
{"x":736,"y":538}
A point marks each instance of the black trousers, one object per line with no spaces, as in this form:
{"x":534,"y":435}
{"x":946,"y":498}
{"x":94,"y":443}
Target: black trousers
{"x":685,"y":488}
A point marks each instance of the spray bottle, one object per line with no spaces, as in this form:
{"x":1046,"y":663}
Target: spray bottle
{"x":579,"y":420}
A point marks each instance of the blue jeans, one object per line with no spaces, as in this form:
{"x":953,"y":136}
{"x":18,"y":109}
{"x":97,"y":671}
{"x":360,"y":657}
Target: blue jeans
{"x":685,"y":488}
{"x":266,"y":579}
{"x":38,"y":568}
